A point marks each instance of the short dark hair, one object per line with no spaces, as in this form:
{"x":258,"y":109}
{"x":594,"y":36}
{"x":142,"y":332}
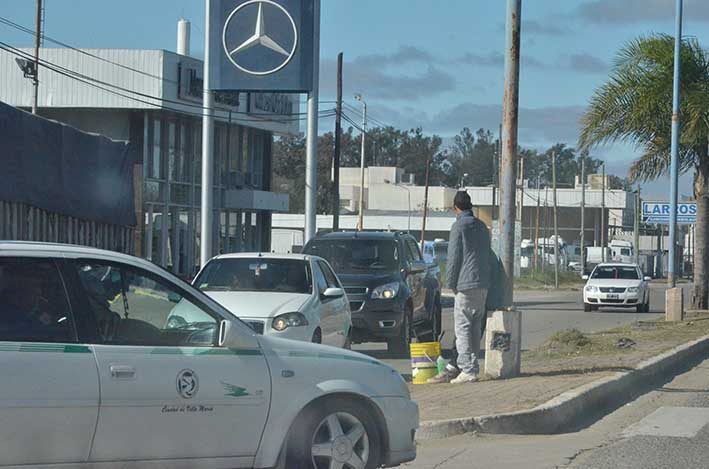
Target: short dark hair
{"x":462,"y":201}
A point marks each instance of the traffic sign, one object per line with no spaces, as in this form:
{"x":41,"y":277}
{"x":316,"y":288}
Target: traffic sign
{"x":659,"y":212}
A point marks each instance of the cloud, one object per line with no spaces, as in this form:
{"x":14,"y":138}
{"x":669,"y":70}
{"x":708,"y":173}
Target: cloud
{"x":380,"y":76}
{"x":638,"y":11}
{"x":585,"y":62}
{"x":537,"y":126}
{"x":496,"y":59}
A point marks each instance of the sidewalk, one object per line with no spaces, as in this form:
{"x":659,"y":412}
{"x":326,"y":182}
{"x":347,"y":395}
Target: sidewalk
{"x":566,"y":361}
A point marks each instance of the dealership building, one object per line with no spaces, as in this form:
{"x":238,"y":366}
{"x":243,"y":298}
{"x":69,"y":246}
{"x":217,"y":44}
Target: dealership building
{"x":153,"y":99}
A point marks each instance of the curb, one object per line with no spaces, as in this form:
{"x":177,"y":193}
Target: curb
{"x":571,"y":407}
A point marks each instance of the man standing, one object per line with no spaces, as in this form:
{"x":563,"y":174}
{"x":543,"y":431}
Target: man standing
{"x":468,"y":276}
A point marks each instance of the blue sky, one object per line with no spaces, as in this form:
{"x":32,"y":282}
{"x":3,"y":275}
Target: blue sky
{"x":435,"y":64}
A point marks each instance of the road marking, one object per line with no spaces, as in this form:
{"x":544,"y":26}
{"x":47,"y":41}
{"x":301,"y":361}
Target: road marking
{"x":680,"y":422}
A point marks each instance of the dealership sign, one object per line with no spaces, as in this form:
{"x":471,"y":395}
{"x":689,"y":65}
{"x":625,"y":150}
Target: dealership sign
{"x":261,"y":45}
{"x":659,"y":212}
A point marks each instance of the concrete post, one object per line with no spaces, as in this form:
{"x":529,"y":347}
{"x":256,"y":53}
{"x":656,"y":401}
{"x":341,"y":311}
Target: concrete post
{"x":674,"y":304}
{"x":503,"y":344}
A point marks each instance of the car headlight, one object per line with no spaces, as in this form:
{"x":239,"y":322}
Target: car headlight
{"x":591,"y":288}
{"x":386,"y":292}
{"x":633,"y":289}
{"x":284,"y":321}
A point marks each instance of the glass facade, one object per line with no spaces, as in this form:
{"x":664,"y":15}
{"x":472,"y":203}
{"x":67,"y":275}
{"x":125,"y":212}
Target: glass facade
{"x":171,"y":189}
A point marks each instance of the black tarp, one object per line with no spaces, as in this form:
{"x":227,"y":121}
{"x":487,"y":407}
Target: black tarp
{"x":63,"y":170}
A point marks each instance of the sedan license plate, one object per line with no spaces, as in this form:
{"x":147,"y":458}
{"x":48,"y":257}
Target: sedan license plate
{"x":612,"y":296}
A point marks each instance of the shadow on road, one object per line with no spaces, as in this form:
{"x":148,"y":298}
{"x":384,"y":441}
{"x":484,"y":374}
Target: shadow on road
{"x":577,"y":371}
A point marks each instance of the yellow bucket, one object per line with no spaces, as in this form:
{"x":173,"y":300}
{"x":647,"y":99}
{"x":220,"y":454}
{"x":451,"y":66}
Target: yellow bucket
{"x":423,"y":361}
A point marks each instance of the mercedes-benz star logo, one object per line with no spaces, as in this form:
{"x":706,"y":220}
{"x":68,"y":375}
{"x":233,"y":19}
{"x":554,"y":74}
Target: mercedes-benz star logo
{"x":187,"y":384}
{"x":259,"y":38}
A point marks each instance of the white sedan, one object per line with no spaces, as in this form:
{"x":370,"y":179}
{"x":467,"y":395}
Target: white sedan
{"x":99,"y":380}
{"x":286,"y":295}
{"x":616,"y":285}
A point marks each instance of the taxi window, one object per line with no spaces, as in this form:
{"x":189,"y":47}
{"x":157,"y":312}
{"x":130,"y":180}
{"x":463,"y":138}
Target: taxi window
{"x":130,"y":306}
{"x":33,"y":302}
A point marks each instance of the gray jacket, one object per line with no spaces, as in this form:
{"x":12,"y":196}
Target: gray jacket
{"x":468,"y":264}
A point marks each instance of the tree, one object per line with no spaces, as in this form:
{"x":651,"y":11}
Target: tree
{"x":635,"y":106}
{"x":473,"y":154}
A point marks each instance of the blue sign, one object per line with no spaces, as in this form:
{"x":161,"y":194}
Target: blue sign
{"x":659,"y":212}
{"x":261,"y":45}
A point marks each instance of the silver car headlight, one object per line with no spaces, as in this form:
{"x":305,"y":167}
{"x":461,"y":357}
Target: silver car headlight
{"x":386,"y":292}
{"x":633,"y":289}
{"x":591,"y":289}
{"x":284,"y":321}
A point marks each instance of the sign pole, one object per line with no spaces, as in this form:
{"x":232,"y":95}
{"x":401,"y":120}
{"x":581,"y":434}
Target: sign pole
{"x":311,"y":144}
{"x":206,"y":206}
{"x":671,"y":278}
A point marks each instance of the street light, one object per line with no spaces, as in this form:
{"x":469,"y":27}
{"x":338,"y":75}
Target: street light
{"x":408,"y":193}
{"x":360,"y":221}
{"x":462,"y":180}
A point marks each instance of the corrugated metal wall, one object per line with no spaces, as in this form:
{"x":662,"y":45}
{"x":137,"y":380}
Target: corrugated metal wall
{"x":26,"y":223}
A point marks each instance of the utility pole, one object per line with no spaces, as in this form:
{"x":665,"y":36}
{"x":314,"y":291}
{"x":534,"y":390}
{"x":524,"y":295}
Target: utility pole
{"x":544,"y":234}
{"x":520,"y":211}
{"x":360,"y":221}
{"x":636,"y":227}
{"x":338,"y":138}
{"x":311,"y":142}
{"x":508,"y":164}
{"x":536,"y":228}
{"x":603,"y":212}
{"x":583,"y":213}
{"x":556,"y":226}
{"x":425,"y":202}
{"x":206,"y":206}
{"x":37,"y":40}
{"x":674,"y":164}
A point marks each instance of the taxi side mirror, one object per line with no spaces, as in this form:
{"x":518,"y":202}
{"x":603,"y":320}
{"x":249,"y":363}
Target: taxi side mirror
{"x":231,"y":336}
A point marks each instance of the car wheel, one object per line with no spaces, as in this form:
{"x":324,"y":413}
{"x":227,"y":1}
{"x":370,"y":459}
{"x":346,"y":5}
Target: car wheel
{"x":434,"y":325}
{"x":317,"y":337}
{"x":336,"y":433}
{"x":399,"y":345}
{"x":647,"y":305}
{"x":587,"y":307}
{"x":640,"y":308}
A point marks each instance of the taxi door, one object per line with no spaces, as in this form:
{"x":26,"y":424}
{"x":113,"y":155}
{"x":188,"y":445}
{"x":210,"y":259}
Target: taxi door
{"x":167,"y":391}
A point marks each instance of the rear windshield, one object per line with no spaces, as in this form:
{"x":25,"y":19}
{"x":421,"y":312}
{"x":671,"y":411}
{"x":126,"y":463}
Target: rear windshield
{"x":351,"y":256}
{"x":254,"y":274}
{"x":627,"y":273}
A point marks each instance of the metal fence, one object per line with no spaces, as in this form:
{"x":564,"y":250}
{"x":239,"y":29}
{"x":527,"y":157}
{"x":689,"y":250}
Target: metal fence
{"x":27,"y":223}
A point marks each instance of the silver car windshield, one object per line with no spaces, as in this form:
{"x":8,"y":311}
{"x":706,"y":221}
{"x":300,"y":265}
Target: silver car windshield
{"x":256,"y":274}
{"x":625,"y":273}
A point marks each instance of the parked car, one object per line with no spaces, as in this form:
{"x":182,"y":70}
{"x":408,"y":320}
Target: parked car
{"x":394,"y":295}
{"x":616,"y":285}
{"x":287,"y":295}
{"x":97,"y":379}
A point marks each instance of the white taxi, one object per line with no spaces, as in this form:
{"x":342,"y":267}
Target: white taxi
{"x":616,"y":285}
{"x":96,"y":378}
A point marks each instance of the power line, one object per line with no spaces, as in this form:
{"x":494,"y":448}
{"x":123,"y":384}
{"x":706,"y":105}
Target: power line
{"x":98,"y":84}
{"x":103,"y":86}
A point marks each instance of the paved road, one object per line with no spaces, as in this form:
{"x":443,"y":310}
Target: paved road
{"x":544,"y":313}
{"x":666,"y":428}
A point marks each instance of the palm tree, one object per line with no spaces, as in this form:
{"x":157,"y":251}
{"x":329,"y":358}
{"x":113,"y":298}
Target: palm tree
{"x":635,"y":106}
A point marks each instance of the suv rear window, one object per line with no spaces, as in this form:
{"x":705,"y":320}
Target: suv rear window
{"x":353,"y":256}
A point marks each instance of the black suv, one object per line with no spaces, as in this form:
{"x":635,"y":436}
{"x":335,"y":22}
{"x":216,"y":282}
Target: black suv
{"x":394,"y":295}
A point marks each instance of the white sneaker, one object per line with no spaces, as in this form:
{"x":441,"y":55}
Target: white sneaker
{"x":464,"y":377}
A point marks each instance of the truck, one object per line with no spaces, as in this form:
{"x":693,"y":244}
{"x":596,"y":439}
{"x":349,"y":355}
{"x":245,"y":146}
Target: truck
{"x":622,"y":251}
{"x":596,"y":255}
{"x":286,"y":241}
{"x":545,"y":252}
{"x":393,"y":293}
